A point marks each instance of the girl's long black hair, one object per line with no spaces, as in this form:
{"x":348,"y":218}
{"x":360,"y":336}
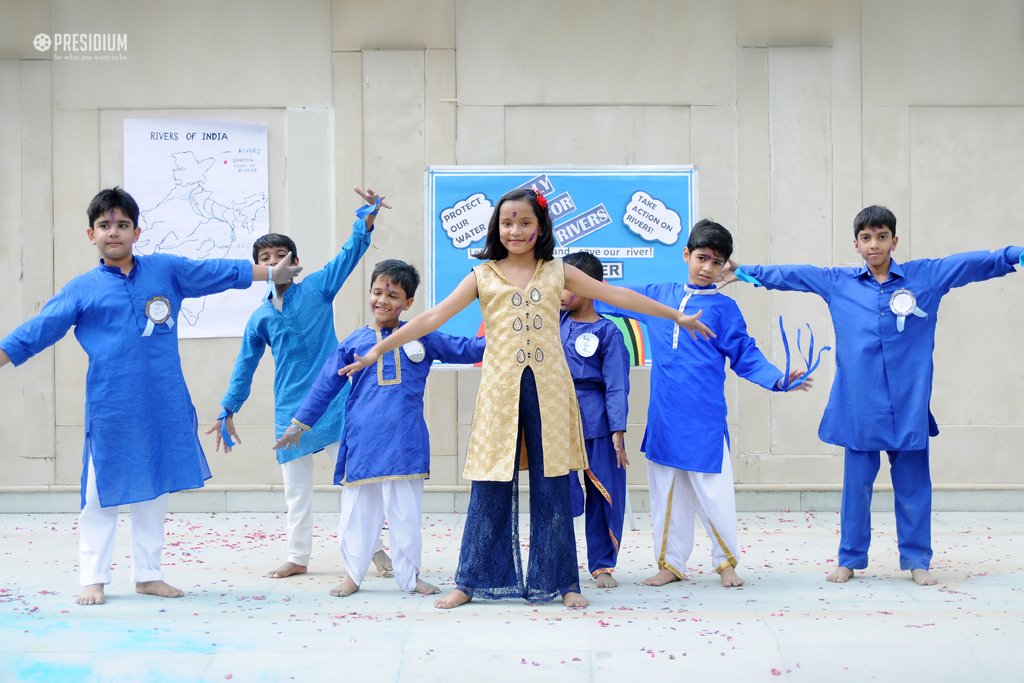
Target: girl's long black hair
{"x":543,"y":249}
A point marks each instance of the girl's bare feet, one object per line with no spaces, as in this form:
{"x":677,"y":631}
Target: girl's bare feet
{"x":91,"y":595}
{"x":344,"y":589}
{"x":287,"y":569}
{"x":160,"y":589}
{"x":606,"y":580}
{"x":382,"y":563}
{"x":452,"y":600}
{"x":840,"y":575}
{"x":729,"y":577}
{"x":574,"y":601}
{"x":661,"y":578}
{"x":424,"y":588}
{"x":922,"y":578}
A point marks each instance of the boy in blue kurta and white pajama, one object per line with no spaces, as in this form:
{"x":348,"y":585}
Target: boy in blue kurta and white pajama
{"x":687,"y":442}
{"x":884,"y":314}
{"x":140,"y":426}
{"x":599,"y":364}
{"x":297,"y":323}
{"x":384,"y":453}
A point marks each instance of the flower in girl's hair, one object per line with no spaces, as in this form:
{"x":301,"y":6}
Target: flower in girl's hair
{"x":542,"y":201}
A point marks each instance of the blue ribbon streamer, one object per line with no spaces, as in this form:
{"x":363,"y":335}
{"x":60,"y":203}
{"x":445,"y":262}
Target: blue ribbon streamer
{"x":810,"y":361}
{"x":224,"y":414}
{"x":367,"y":209}
{"x":747,"y":277}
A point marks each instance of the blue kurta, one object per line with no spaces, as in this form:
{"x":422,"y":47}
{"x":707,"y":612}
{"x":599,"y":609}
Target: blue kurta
{"x":139,"y":417}
{"x":602,"y":379}
{"x":883,"y":385}
{"x":686,"y":416}
{"x":301,"y":337}
{"x":385,"y":435}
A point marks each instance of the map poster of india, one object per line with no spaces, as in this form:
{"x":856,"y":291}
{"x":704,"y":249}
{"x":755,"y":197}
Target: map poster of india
{"x":202,"y":192}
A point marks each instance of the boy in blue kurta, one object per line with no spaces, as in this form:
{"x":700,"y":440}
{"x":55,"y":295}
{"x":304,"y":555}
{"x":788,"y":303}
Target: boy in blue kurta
{"x":298,"y":326}
{"x":140,"y":426}
{"x":599,"y":364}
{"x":884,"y":314}
{"x":384,"y":453}
{"x":687,"y":442}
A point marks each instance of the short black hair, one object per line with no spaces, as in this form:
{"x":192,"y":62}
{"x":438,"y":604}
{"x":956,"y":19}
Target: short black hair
{"x":543,"y":249}
{"x":399,"y":273}
{"x":874,"y":216}
{"x":707,"y":234}
{"x":110,"y":199}
{"x":587,"y":262}
{"x":273,"y":240}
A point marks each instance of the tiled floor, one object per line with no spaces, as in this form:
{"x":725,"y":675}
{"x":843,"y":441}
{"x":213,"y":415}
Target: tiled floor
{"x":787,"y":623}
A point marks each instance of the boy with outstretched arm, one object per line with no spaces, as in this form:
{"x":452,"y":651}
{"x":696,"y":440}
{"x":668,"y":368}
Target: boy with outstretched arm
{"x":141,"y":438}
{"x":297,"y":323}
{"x":384,"y":453}
{"x":687,"y":441}
{"x":599,"y":364}
{"x":884,"y":314}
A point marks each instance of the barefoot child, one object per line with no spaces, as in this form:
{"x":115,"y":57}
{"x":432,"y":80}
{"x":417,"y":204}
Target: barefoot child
{"x":524,"y":377}
{"x":687,"y":441}
{"x":140,"y":425}
{"x":599,"y":364}
{"x":884,"y":314}
{"x":297,"y":323}
{"x":384,"y":453}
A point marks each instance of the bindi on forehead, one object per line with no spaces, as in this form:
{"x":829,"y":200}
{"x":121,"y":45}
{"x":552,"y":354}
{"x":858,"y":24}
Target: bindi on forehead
{"x":514,"y":214}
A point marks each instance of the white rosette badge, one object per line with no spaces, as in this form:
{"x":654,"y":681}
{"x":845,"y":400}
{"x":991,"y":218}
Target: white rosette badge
{"x":158,"y":312}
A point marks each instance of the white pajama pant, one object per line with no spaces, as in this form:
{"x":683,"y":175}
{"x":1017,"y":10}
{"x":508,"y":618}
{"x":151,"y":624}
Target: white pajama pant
{"x":363,"y":509}
{"x":676,"y":496}
{"x":297,"y":475}
{"x":97,"y":527}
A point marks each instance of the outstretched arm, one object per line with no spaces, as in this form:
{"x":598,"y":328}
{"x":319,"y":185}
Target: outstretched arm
{"x":4,"y":358}
{"x":578,"y":282}
{"x":425,"y":322}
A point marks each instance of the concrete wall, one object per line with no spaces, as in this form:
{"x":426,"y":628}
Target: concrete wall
{"x":797,"y":112}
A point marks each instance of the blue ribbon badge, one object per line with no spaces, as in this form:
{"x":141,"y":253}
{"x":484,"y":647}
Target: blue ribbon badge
{"x":810,"y":361}
{"x":903,"y":303}
{"x":158,"y":312}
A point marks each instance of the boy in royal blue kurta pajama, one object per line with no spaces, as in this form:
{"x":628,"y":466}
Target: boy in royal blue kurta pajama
{"x":687,"y":440}
{"x":384,"y":452}
{"x":297,"y":324}
{"x":884,"y":314}
{"x":140,"y":426}
{"x":599,"y":364}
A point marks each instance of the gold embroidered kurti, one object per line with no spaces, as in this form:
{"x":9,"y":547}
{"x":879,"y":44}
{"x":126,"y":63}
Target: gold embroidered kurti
{"x":522,"y":331}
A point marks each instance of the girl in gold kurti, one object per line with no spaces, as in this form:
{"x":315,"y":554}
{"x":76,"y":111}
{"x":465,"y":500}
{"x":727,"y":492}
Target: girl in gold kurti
{"x":524,"y":378}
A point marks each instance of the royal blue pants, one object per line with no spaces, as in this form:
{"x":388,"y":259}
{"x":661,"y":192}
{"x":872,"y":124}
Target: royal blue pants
{"x":604,"y":504}
{"x":490,"y":561}
{"x":912,"y":486}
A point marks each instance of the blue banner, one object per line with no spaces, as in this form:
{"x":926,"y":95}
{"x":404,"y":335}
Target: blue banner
{"x":636,"y":219}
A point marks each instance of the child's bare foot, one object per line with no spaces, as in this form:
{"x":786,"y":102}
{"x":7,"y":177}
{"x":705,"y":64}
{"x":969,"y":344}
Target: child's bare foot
{"x":91,"y":595}
{"x":606,"y":580}
{"x":287,"y":569}
{"x":424,"y":588}
{"x":574,"y":601}
{"x":452,"y":600}
{"x":922,"y":578}
{"x":661,"y":578}
{"x":344,"y":589}
{"x":840,"y":575}
{"x":382,"y":563}
{"x":729,"y":577}
{"x":161,"y":589}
